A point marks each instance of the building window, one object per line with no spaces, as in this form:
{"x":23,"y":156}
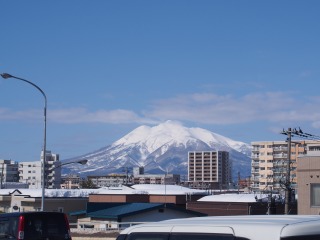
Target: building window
{"x":315,"y":195}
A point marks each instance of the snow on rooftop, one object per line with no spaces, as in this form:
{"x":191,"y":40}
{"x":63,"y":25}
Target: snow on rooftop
{"x":167,"y":189}
{"x":233,"y":198}
{"x":135,"y":189}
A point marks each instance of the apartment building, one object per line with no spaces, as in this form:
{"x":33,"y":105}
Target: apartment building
{"x":110,"y":180}
{"x":31,"y":172}
{"x":169,"y":179}
{"x":8,"y":171}
{"x":71,"y":181}
{"x":269,"y":161}
{"x":209,"y":169}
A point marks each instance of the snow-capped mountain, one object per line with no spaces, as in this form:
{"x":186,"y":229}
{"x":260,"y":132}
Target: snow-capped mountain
{"x":159,"y":149}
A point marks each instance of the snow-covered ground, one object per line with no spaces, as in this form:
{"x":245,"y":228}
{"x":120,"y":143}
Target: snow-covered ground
{"x":156,"y":189}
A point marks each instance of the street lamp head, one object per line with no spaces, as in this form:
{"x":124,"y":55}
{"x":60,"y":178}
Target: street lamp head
{"x":6,"y":75}
{"x":83,"y":161}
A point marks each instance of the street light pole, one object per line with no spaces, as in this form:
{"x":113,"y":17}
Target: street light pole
{"x":6,"y":76}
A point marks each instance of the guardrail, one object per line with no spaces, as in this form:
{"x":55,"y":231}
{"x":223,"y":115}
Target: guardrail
{"x":107,"y":226}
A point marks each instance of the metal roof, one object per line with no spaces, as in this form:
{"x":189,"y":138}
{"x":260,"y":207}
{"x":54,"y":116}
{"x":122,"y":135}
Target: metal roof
{"x":119,"y":210}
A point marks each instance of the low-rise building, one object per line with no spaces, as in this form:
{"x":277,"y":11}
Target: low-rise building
{"x":110,"y":180}
{"x":308,"y":175}
{"x":121,"y":215}
{"x":70,"y":181}
{"x":170,"y":179}
{"x":26,"y":200}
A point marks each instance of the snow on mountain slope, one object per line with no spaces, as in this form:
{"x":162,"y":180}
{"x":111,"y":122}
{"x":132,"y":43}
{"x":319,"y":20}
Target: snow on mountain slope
{"x":173,"y":132}
{"x":162,"y":148}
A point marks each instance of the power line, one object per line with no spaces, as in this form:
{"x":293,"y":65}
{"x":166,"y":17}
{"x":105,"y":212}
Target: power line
{"x":300,"y":134}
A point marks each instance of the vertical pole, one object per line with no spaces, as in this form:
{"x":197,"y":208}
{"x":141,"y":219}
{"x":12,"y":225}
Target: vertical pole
{"x":287,"y":184}
{"x":2,"y":174}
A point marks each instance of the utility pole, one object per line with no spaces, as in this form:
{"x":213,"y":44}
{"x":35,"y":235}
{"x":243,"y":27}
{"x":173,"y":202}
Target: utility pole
{"x":2,"y":175}
{"x":238,"y":182}
{"x":288,"y":169}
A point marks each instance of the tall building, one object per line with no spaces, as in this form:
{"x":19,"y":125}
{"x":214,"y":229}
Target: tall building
{"x":53,"y":171}
{"x":209,"y":169}
{"x":269,"y":164}
{"x":31,"y":172}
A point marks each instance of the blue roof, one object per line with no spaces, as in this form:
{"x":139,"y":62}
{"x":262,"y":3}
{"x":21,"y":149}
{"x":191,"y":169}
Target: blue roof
{"x":119,"y":211}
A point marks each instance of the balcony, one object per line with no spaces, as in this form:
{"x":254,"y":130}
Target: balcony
{"x":255,"y":164}
{"x":280,"y":149}
{"x":255,"y":149}
{"x":282,"y":155}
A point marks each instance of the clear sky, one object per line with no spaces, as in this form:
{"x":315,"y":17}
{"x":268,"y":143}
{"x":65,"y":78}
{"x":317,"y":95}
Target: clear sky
{"x":242,"y":69}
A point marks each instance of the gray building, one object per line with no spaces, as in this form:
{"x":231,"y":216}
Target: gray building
{"x":209,"y":169}
{"x":8,"y":171}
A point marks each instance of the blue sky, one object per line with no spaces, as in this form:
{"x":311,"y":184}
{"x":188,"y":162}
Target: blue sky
{"x":242,"y":69}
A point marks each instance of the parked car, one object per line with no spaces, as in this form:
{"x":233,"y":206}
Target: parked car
{"x":252,"y":227}
{"x":34,"y":226}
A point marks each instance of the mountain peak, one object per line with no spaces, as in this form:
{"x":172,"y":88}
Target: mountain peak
{"x":164,"y":146}
{"x":174,"y":132}
{"x":169,"y":131}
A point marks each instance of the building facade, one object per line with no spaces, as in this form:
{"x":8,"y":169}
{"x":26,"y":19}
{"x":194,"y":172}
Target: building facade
{"x":308,"y":174}
{"x":8,"y":171}
{"x":171,"y":179}
{"x":31,"y":172}
{"x":110,"y":180}
{"x":209,"y":169}
{"x":269,"y":167}
{"x":53,"y":170}
{"x":71,"y":181}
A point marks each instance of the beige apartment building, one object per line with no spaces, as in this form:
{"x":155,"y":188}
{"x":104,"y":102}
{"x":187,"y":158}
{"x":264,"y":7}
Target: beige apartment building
{"x":269,"y":161}
{"x":209,"y":169}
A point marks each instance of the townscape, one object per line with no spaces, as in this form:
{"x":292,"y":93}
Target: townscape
{"x":208,"y":190}
{"x":197,"y":119}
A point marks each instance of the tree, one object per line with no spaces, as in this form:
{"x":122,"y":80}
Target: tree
{"x":87,"y":184}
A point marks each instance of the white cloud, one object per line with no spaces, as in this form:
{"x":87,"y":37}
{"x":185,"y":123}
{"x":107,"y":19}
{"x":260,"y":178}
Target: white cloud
{"x":8,"y":114}
{"x":83,"y":115}
{"x":208,"y":108}
{"x":227,"y":109}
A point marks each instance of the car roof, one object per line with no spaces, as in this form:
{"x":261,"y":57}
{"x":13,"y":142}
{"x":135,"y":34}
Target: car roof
{"x":261,"y":227}
{"x":14,"y":214}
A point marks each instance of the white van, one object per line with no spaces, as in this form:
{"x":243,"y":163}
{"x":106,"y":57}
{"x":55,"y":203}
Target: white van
{"x":252,"y":227}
